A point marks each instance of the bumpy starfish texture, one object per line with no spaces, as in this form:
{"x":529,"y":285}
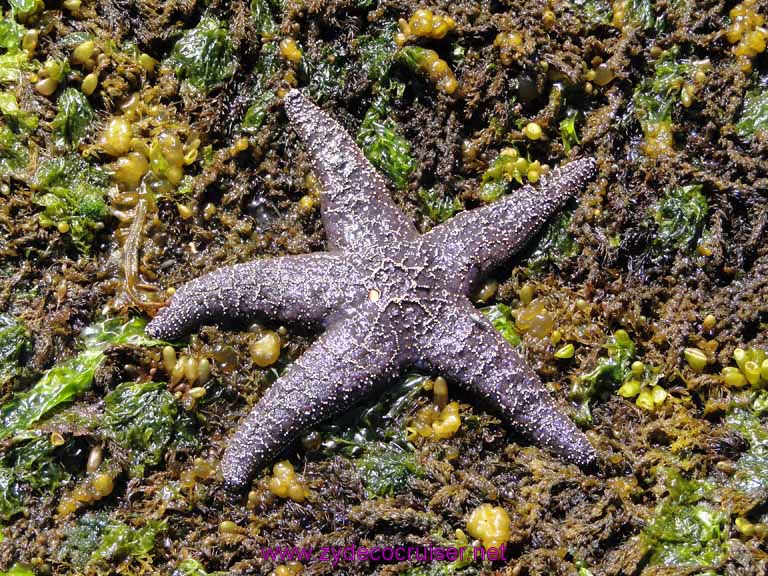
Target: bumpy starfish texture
{"x":386,"y":298}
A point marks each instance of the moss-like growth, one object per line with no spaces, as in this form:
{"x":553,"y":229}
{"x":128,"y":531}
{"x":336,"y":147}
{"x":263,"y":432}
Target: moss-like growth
{"x":679,"y":218}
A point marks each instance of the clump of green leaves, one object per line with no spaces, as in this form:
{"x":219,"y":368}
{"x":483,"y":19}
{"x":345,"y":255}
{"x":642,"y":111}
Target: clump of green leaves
{"x":14,"y":155}
{"x":594,"y":12}
{"x":556,"y":245}
{"x":386,"y":469}
{"x":72,"y":119}
{"x":686,"y":530}
{"x":377,"y":53}
{"x":24,"y":9}
{"x":751,"y":474}
{"x":655,"y":97}
{"x":382,"y":144}
{"x":640,"y":13}
{"x":267,"y":66}
{"x":754,"y":114}
{"x":262,"y":16}
{"x":18,"y":570}
{"x":611,"y":371}
{"x":327,"y":73}
{"x":679,"y":217}
{"x":17,"y":119}
{"x":500,"y":316}
{"x":438,"y":207}
{"x":568,"y":133}
{"x":14,"y":339}
{"x":203,"y":56}
{"x":73,"y":193}
{"x":507,"y":166}
{"x":10,"y":497}
{"x":13,"y":60}
{"x":71,"y":377}
{"x":143,"y":417}
{"x":97,"y":538}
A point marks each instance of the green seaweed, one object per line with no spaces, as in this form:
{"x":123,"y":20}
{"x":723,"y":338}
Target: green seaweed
{"x":17,"y":119}
{"x":556,"y":245}
{"x":96,"y":538}
{"x":382,"y":144}
{"x":13,"y":60}
{"x":73,"y":118}
{"x":611,"y":371}
{"x":262,"y":16}
{"x":23,"y":9}
{"x":655,"y":97}
{"x":751,"y":476}
{"x":18,"y":570}
{"x":203,"y":56}
{"x":595,"y":12}
{"x":500,"y":316}
{"x":496,"y":179}
{"x":14,"y":339}
{"x":263,"y":97}
{"x":71,"y":377}
{"x":386,"y":469}
{"x":74,"y":193}
{"x":679,"y":217}
{"x":568,"y":133}
{"x":143,"y":418}
{"x":10,"y":497}
{"x":14,"y":155}
{"x":685,"y":529}
{"x":377,"y":53}
{"x":754,"y":113}
{"x":35,"y":465}
{"x":438,"y":207}
{"x":640,"y":13}
{"x":327,"y":74}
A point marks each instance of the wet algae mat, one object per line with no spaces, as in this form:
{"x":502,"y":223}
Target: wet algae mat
{"x":144,"y":143}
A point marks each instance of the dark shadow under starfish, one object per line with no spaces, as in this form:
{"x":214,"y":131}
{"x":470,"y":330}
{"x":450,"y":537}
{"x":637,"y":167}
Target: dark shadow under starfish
{"x":386,"y":298}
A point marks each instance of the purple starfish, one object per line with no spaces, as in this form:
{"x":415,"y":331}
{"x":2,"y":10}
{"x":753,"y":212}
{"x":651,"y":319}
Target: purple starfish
{"x":386,"y":298}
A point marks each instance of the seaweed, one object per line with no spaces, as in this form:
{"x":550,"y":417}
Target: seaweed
{"x":386,"y":469}
{"x":555,"y":246}
{"x":376,"y":53}
{"x":203,"y":56}
{"x":262,"y":16}
{"x":751,"y":475}
{"x":679,"y":218}
{"x":10,"y":496}
{"x":14,"y":155}
{"x":754,"y":113}
{"x":568,"y":133}
{"x":610,"y":372}
{"x":267,"y":65}
{"x":500,"y":316}
{"x":438,"y":207}
{"x":72,"y":119}
{"x":507,"y":166}
{"x":96,"y":538}
{"x":144,"y":419}
{"x":686,"y":530}
{"x":14,"y":340}
{"x":17,"y":119}
{"x":69,"y":378}
{"x":381,"y":142}
{"x":73,"y":199}
{"x":24,"y":9}
{"x":18,"y":570}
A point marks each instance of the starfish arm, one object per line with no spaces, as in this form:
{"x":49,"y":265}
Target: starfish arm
{"x":302,"y":290}
{"x":356,"y":207}
{"x":460,"y":344}
{"x":345,"y":365}
{"x":472,"y":243}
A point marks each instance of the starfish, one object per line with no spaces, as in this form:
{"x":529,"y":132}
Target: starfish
{"x":386,"y":299}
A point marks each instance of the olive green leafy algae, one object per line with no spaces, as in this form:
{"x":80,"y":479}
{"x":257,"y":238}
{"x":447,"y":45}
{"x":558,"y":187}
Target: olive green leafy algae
{"x":438,"y":207}
{"x":14,"y":154}
{"x":555,"y":246}
{"x":203,"y":55}
{"x":679,"y":217}
{"x":262,"y":17}
{"x":686,"y":530}
{"x":73,"y":193}
{"x":266,"y":67}
{"x":144,"y":418}
{"x":96,"y":538}
{"x":18,"y":570}
{"x":751,"y":474}
{"x":14,"y":339}
{"x":386,"y":469}
{"x":17,"y":119}
{"x":73,"y":118}
{"x":754,"y":114}
{"x":71,"y":377}
{"x":377,"y":53}
{"x":382,"y":144}
{"x":500,"y":316}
